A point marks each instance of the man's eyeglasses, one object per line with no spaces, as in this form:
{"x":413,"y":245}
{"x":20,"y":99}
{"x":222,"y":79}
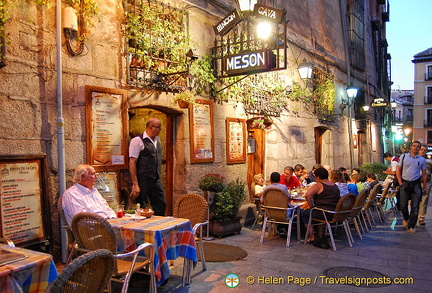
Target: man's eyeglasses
{"x":158,"y":127}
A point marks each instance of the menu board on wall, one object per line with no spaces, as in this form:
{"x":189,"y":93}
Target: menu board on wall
{"x":106,"y":128}
{"x":106,"y":184}
{"x":21,"y":200}
{"x":236,"y":140}
{"x":201,"y":132}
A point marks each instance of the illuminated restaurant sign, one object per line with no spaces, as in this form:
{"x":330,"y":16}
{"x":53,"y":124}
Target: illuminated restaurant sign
{"x":269,"y":13}
{"x":379,"y":102}
{"x":249,"y":62}
{"x":227,"y":24}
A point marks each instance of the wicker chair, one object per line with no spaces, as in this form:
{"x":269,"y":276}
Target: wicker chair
{"x":194,"y":207}
{"x":72,"y":245}
{"x":340,"y":215}
{"x":93,"y":232}
{"x":277,"y":211}
{"x":88,"y":273}
{"x":356,"y":215}
{"x":366,"y":211}
{"x":7,"y":241}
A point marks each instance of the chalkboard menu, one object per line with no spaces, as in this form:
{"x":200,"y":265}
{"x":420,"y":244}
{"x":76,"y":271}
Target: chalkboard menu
{"x":21,"y":199}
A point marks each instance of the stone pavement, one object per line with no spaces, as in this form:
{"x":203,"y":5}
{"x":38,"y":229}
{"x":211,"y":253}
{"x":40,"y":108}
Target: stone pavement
{"x":387,"y":249}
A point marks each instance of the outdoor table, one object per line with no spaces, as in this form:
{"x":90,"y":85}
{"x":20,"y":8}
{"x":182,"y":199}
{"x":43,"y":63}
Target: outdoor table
{"x":24,"y":270}
{"x":172,"y":237}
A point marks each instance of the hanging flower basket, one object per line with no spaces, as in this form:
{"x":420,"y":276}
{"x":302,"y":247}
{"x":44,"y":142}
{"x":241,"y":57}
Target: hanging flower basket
{"x":183,"y":104}
{"x":260,"y":123}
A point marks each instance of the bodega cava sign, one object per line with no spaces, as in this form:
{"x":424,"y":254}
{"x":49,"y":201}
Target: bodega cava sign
{"x":269,"y":13}
{"x":379,"y":103}
{"x":249,"y":62}
{"x":227,"y":23}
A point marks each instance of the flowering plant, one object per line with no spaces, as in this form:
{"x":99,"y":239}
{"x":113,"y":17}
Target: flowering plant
{"x":259,"y":123}
{"x":212,"y":182}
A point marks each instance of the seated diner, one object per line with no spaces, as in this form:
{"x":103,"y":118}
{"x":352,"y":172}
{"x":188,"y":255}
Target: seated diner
{"x":84,"y":197}
{"x":325,"y":194}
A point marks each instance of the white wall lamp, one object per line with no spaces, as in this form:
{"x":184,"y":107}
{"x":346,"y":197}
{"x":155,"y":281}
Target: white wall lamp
{"x":70,"y":29}
{"x":305,"y":70}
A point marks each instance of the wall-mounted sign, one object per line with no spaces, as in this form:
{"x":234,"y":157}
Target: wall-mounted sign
{"x":269,"y":13}
{"x":249,"y":62}
{"x":106,"y":128}
{"x":379,"y":102}
{"x":24,"y":205}
{"x":227,"y":24}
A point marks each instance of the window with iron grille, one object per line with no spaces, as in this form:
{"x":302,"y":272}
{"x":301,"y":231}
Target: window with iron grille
{"x":357,"y":33}
{"x":156,"y":45}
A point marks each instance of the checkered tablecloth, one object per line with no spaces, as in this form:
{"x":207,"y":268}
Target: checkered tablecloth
{"x":32,"y":274}
{"x":173,"y":237}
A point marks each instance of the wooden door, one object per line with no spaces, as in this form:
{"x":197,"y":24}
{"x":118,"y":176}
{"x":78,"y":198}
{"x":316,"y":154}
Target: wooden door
{"x":256,"y":160}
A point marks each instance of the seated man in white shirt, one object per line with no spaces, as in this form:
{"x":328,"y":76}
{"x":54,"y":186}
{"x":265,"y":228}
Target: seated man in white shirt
{"x":83,"y":197}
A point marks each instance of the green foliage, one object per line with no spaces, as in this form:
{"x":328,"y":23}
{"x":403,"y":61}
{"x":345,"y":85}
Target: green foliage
{"x":212,"y":182}
{"x":376,"y":168}
{"x":324,"y":93}
{"x":226,"y":204}
{"x":202,"y":75}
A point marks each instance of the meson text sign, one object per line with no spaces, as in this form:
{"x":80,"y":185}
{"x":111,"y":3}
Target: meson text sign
{"x":249,"y":62}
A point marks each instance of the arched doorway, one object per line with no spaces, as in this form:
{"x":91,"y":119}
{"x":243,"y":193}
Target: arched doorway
{"x":137,"y":120}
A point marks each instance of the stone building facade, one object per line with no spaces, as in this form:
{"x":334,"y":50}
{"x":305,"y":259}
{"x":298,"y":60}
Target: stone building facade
{"x":345,"y":39}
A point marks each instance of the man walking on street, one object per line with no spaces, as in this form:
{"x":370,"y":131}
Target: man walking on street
{"x":425,"y":198}
{"x":411,"y":173}
{"x":145,"y":159}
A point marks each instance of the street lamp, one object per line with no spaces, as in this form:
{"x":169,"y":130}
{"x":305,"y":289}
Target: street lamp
{"x":247,"y":5}
{"x":351,"y":91}
{"x":305,"y":70}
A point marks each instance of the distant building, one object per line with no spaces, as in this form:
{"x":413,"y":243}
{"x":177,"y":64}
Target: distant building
{"x":422,"y":126}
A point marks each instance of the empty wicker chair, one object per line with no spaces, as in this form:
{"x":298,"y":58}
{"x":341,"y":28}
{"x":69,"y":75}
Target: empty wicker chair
{"x":194,"y":207}
{"x":367,"y":212}
{"x":355,"y":216}
{"x":277,"y":211}
{"x":340,"y":215}
{"x":93,"y":232}
{"x":88,"y":273}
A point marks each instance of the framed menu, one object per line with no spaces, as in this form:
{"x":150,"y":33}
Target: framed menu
{"x":22,"y":203}
{"x":106,"y":184}
{"x":236,"y":140}
{"x":106,"y":128}
{"x":201,"y":128}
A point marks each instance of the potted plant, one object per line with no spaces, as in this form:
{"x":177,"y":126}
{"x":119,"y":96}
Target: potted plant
{"x":210,"y":184}
{"x":185,"y":98}
{"x":223,"y":212}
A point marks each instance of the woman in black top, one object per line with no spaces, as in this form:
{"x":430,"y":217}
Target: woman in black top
{"x":325,"y":194}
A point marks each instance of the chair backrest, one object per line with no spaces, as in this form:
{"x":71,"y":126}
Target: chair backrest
{"x":373,"y":194}
{"x":273,"y":199}
{"x":93,"y":232}
{"x":191,"y":206}
{"x":90,"y":272}
{"x":344,"y":207}
{"x":7,"y":241}
{"x":63,"y":218}
{"x":360,"y":202}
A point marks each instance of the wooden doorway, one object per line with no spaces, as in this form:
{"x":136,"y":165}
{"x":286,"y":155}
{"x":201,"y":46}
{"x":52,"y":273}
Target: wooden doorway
{"x":137,"y":120}
{"x":255,"y":160}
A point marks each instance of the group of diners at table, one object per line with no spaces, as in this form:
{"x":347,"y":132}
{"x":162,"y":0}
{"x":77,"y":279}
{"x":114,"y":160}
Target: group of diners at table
{"x":323,"y":187}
